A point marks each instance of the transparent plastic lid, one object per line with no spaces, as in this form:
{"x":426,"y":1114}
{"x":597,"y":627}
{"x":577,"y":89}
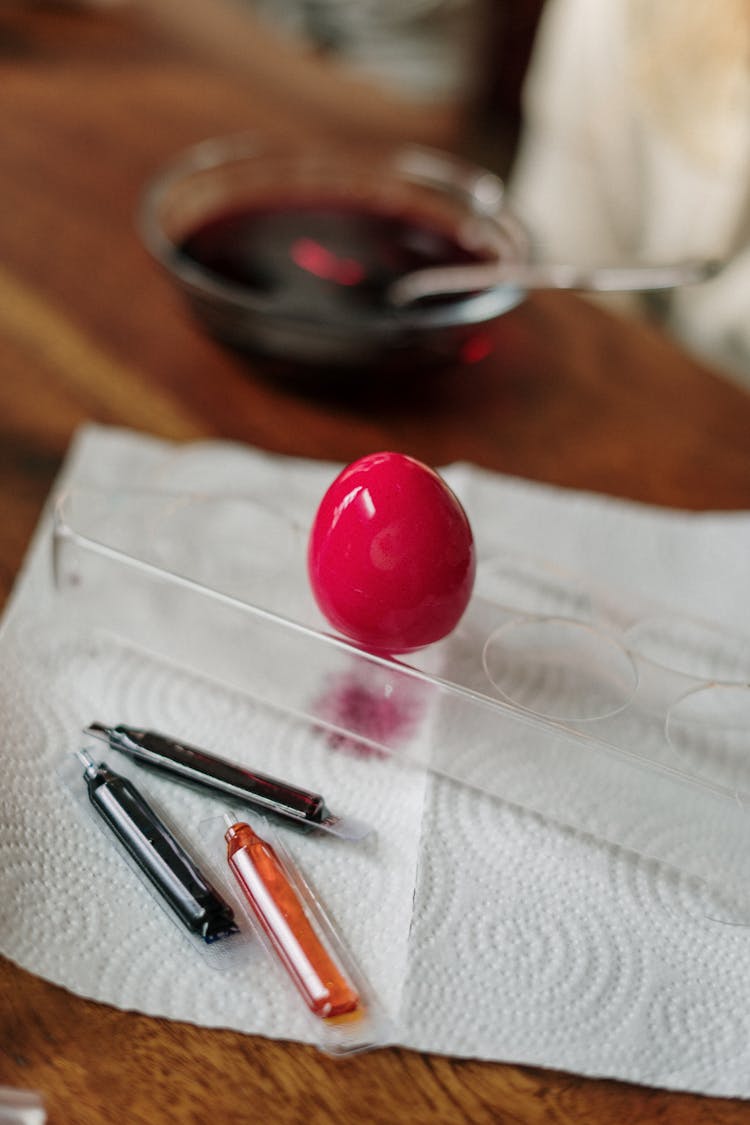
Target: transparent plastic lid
{"x":622,"y":721}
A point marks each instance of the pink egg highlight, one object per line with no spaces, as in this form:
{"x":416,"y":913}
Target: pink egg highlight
{"x":391,"y":555}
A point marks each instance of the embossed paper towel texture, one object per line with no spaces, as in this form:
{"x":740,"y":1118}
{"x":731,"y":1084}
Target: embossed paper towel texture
{"x":71,"y":909}
{"x":523,"y":941}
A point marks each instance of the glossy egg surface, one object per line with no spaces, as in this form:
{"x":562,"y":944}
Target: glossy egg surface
{"x":391,"y":554}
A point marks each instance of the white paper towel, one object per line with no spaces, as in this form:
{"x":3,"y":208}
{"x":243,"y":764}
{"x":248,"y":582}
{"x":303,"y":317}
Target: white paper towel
{"x":487,"y":931}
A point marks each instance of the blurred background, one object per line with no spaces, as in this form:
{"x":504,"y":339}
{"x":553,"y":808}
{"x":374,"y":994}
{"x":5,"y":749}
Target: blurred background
{"x":442,"y":72}
{"x":621,"y":126}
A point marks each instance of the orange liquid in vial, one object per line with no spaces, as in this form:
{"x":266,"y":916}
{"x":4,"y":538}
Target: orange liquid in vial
{"x":284,"y":919}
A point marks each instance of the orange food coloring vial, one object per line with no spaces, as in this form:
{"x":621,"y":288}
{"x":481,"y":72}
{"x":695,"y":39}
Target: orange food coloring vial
{"x":288,"y":924}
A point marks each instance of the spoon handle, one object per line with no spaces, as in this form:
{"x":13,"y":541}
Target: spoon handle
{"x":527,"y":276}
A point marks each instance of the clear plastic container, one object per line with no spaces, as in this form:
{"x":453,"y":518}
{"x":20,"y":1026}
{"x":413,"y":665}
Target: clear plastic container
{"x":320,"y":336}
{"x":620,"y":721}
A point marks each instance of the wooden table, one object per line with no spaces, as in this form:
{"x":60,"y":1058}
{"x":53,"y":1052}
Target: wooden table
{"x":90,"y":329}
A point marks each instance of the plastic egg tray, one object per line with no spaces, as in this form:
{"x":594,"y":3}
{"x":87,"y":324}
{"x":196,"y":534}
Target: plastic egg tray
{"x":621,"y":721}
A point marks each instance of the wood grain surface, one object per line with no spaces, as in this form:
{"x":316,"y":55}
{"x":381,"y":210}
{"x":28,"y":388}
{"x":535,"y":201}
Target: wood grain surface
{"x":91,"y":104}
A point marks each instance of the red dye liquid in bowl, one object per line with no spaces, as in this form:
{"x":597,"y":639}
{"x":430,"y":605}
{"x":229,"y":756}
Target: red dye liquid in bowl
{"x":321,"y":256}
{"x":309,"y":283}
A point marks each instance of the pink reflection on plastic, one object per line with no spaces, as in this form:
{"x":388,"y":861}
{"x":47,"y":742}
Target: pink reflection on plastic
{"x":354,"y":705}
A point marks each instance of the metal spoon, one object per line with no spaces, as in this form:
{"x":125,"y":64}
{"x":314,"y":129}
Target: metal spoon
{"x":444,"y":280}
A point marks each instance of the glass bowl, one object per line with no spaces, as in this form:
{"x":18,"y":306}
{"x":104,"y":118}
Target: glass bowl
{"x":288,"y":256}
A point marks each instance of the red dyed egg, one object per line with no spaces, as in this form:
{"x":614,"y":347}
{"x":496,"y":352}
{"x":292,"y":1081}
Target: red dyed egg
{"x":391,"y":554}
